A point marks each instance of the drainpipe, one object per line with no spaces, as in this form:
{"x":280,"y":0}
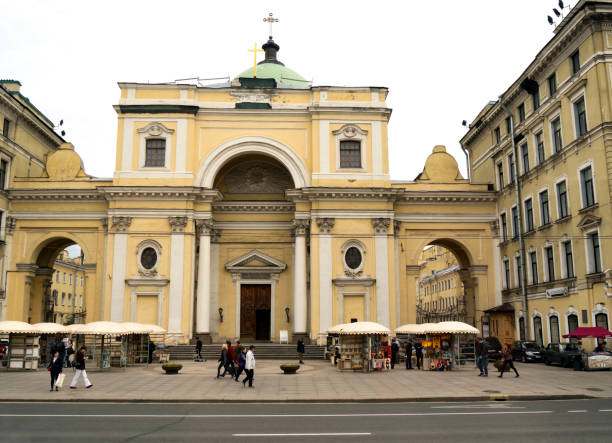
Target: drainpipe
{"x":519,"y":208}
{"x":467,"y":162}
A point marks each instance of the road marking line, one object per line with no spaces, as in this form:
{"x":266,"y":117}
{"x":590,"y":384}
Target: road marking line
{"x":235,"y":416}
{"x":319,"y":434}
{"x":605,"y":410}
{"x":579,"y":410}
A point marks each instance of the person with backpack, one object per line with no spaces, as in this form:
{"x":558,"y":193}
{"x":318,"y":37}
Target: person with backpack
{"x":80,"y":369}
{"x":55,"y":368}
{"x":241,"y":362}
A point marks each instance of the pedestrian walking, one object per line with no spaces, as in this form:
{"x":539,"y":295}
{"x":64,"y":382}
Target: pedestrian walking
{"x":394,"y":351}
{"x":230,"y":360}
{"x":151,"y":350}
{"x":61,"y":348}
{"x":249,"y":367}
{"x":408,"y":354}
{"x":69,"y":353}
{"x":199,"y":348}
{"x":482,"y":353}
{"x":237,"y":351}
{"x":55,"y":368}
{"x":241,"y":361}
{"x":300,"y":350}
{"x":222,"y":361}
{"x":418,"y":351}
{"x":508,"y":361}
{"x":80,"y":369}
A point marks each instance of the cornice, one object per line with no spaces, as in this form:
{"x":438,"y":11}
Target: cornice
{"x":254,"y":207}
{"x":54,"y":194}
{"x":448,"y":197}
{"x":321,"y":193}
{"x":363,"y":281}
{"x":153,"y":193}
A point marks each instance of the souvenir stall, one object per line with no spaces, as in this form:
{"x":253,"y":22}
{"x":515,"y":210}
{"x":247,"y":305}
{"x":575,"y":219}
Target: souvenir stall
{"x":362,"y":346}
{"x":23,"y":345}
{"x":138,"y":342}
{"x":48,"y":333}
{"x":332,"y":349}
{"x":106,"y":343}
{"x":593,"y":360}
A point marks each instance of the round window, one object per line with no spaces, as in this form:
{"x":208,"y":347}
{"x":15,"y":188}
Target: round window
{"x":353,"y":257}
{"x":148,"y":258}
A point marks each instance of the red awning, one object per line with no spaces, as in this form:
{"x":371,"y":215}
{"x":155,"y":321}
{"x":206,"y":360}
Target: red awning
{"x":584,"y":332}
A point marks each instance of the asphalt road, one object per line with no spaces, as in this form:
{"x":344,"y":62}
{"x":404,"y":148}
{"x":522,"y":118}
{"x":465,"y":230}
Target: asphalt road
{"x":542,"y":421}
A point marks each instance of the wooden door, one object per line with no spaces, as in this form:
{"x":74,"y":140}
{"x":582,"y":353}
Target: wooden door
{"x":255,"y":312}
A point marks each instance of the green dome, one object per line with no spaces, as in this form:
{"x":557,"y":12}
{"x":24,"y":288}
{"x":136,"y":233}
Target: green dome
{"x":271,"y":67}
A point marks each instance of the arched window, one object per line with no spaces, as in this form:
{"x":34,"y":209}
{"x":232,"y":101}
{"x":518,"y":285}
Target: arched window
{"x":537,"y":330}
{"x":601,"y":320}
{"x":553,"y":323}
{"x":522,"y":328}
{"x":572,"y":322}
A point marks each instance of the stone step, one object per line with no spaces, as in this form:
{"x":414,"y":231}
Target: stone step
{"x":263,"y":351}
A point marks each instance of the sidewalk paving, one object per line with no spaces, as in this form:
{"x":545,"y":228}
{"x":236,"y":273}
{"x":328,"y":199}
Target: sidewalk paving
{"x":316,"y":381}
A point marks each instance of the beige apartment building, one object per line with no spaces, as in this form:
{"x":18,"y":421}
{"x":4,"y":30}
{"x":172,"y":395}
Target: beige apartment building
{"x":67,"y":289}
{"x":554,"y":183}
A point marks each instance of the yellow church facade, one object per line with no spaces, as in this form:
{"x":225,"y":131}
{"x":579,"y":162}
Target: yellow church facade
{"x":246,"y":208}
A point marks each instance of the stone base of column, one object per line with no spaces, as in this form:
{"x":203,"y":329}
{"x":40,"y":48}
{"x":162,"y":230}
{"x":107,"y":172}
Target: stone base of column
{"x":304,"y":335}
{"x":204,"y":336}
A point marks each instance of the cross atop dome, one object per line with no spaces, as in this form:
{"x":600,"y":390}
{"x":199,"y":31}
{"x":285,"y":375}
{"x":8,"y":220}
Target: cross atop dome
{"x":271,"y":20}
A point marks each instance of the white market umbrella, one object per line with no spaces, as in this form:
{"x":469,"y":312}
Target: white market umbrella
{"x":335,"y":329}
{"x":452,"y":327}
{"x":51,"y":328}
{"x":17,"y":327}
{"x":100,"y":328}
{"x":414,"y":329}
{"x":363,"y":328}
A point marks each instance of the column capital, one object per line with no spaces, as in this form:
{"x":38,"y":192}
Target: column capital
{"x":325,"y":225}
{"x":177,"y":224}
{"x":300,"y":226}
{"x":205,"y":226}
{"x":121,"y":223}
{"x":10,"y":224}
{"x":381,"y":225}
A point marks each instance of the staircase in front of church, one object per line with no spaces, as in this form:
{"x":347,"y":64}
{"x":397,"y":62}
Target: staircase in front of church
{"x":263,"y":351}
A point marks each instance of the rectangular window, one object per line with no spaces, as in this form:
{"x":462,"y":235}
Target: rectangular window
{"x":595,"y":257}
{"x":525,"y":157}
{"x":3,"y":173}
{"x":70,"y":279}
{"x":507,"y":274}
{"x":517,"y":261}
{"x":497,"y":135}
{"x":569,"y":259}
{"x":504,"y":226}
{"x":586,"y":183}
{"x":550,"y":263}
{"x":552,"y":84}
{"x":511,"y":167}
{"x":575,"y":62}
{"x":544,"y":209}
{"x":521,"y":112}
{"x":64,"y":278}
{"x":536,"y":99}
{"x":533,"y":259}
{"x":555,"y":129}
{"x":562,"y":199}
{"x":515,"y":222}
{"x":580,"y":116}
{"x":6,"y":126}
{"x":350,"y":154}
{"x":57,"y":276}
{"x":156,"y":153}
{"x":500,"y":174}
{"x":529,"y":215}
{"x":540,"y":147}
{"x":508,"y":125}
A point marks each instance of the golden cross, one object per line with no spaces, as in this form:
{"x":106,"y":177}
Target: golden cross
{"x":255,"y":51}
{"x":270,"y":19}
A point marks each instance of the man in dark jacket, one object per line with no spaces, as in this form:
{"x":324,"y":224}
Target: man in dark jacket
{"x":394,"y":351}
{"x":199,"y":348}
{"x":482,"y":352}
{"x":301,"y":349}
{"x":55,"y":367}
{"x":408,"y":354}
{"x":418,"y":351}
{"x":151,"y":349}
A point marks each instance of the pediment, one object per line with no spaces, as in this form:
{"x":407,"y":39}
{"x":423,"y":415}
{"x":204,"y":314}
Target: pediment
{"x":255,"y":260}
{"x":589,"y":221}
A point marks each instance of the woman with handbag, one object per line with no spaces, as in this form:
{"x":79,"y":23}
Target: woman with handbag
{"x":80,"y":369}
{"x":55,"y":368}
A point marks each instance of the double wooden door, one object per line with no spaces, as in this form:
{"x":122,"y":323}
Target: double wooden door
{"x":255,"y":312}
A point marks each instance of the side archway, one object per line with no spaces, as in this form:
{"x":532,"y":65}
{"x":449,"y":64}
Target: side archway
{"x":252,"y":145}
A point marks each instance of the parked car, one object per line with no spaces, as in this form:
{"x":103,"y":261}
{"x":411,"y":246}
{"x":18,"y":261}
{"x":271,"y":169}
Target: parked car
{"x":562,"y":353}
{"x":494,"y":348}
{"x":526,"y":351}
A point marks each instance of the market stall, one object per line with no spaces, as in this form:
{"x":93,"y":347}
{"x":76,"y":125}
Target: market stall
{"x":48,"y":332}
{"x":593,"y":360}
{"x":139,"y":342}
{"x":23,"y":344}
{"x":439,"y":340}
{"x":362,"y":346}
{"x":104,"y":341}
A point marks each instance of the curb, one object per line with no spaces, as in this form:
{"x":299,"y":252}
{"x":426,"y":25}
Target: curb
{"x":439,"y":399}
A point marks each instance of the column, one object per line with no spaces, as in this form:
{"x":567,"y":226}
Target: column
{"x":381,"y":226}
{"x":205,"y":230}
{"x":10,"y":223}
{"x":397,"y":226}
{"x":120,"y":225}
{"x":177,"y":266}
{"x":325,"y":273}
{"x":300,"y":301}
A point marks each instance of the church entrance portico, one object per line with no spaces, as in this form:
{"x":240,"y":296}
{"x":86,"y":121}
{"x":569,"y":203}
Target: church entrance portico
{"x":255,"y":309}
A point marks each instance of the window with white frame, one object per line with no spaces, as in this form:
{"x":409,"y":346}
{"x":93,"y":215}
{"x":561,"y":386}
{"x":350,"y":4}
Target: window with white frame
{"x":544,"y":208}
{"x":550,"y":263}
{"x":533,"y":261}
{"x":504,"y":226}
{"x":529,"y":225}
{"x":552,"y":84}
{"x":500,"y":175}
{"x":515,"y":222}
{"x":574,"y":61}
{"x":580,"y":117}
{"x":593,"y":253}
{"x":519,"y":269}
{"x":350,"y":143}
{"x":155,"y":156}
{"x":536,"y":99}
{"x":511,"y":168}
{"x":497,"y":134}
{"x":572,"y":322}
{"x":537,"y":330}
{"x":586,"y":186}
{"x":507,"y":273}
{"x":57,"y":277}
{"x":64,"y":278}
{"x":555,"y":130}
{"x":63,"y":298}
{"x":4,"y":165}
{"x":521,"y":112}
{"x":525,"y":157}
{"x":539,"y":141}
{"x":350,"y":154}
{"x":553,"y":323}
{"x":562,"y":201}
{"x":568,"y":259}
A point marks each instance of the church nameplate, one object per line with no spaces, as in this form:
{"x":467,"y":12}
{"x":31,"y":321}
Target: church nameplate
{"x":255,"y":276}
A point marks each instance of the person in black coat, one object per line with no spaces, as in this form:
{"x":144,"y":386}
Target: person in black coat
{"x":55,"y":367}
{"x":301,"y":349}
{"x":394,"y":350}
{"x":418,"y":350}
{"x":408,"y":354}
{"x":151,"y":349}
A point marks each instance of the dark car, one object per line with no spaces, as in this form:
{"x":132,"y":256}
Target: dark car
{"x":494,"y":348}
{"x":526,"y":351}
{"x":562,"y":353}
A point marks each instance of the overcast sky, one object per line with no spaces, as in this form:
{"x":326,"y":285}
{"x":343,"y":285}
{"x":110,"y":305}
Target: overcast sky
{"x":441,"y":60}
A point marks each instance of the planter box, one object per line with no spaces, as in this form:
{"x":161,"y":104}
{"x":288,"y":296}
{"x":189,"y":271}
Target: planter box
{"x":290,"y":369}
